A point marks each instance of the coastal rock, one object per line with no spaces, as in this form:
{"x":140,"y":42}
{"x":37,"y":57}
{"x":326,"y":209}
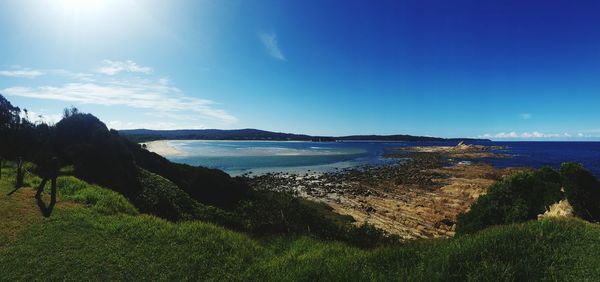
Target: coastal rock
{"x":561,"y":209}
{"x":418,"y":196}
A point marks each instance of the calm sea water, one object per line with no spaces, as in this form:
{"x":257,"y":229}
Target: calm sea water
{"x":237,"y":157}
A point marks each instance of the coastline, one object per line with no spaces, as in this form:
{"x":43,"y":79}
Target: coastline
{"x":418,"y":197}
{"x":163,"y":148}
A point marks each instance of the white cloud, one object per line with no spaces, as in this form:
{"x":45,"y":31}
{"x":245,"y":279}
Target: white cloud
{"x":165,"y":102}
{"x":530,"y":135}
{"x":504,"y":135}
{"x":158,"y":95}
{"x":22,"y":73}
{"x":114,"y":67}
{"x":525,"y":116}
{"x":271,"y":44}
{"x":41,"y":117}
{"x":117,"y":124}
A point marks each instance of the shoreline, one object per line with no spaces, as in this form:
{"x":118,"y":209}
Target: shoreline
{"x":418,"y":198}
{"x":163,"y":148}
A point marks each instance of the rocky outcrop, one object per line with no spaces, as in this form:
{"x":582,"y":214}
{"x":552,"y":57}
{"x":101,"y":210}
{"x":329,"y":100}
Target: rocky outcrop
{"x":561,"y":209}
{"x":416,"y":198}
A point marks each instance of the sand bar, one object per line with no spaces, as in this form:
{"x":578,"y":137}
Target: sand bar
{"x":163,"y":148}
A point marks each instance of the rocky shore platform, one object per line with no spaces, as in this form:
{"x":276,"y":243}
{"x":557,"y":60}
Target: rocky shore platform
{"x":419,"y":196}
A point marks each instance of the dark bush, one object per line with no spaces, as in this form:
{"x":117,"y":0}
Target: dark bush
{"x":163,"y":198}
{"x":98,"y":155}
{"x":208,"y":186}
{"x":267,"y":213}
{"x":516,"y":198}
{"x":582,"y":190}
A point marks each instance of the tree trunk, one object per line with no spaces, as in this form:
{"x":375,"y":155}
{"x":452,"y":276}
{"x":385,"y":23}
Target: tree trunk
{"x":46,"y":210}
{"x":20,"y":174}
{"x":40,"y":188}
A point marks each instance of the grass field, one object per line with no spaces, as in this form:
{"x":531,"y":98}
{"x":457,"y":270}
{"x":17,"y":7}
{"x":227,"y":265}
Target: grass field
{"x":96,"y":234}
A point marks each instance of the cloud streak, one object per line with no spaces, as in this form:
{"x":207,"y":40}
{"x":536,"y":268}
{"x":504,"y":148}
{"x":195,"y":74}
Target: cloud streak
{"x":114,"y":67}
{"x":145,"y":95}
{"x":269,"y":40}
{"x":108,"y":89}
{"x":531,"y":135}
{"x":21,"y":73}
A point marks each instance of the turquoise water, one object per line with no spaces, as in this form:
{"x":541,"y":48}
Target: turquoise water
{"x":237,"y":157}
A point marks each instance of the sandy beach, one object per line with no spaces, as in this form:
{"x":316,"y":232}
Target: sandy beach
{"x":163,"y":148}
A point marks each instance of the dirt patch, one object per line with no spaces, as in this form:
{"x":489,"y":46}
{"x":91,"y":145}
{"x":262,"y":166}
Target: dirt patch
{"x":19,"y":210}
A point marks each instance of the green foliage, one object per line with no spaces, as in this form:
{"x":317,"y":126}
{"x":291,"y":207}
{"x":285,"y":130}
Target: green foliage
{"x":516,"y":198}
{"x":272,"y":213}
{"x":582,"y":190}
{"x":97,"y":198}
{"x":207,"y":186}
{"x":163,"y":198}
{"x":66,"y":247}
{"x":97,"y":155}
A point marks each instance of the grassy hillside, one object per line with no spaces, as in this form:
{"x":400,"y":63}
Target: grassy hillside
{"x":86,"y":238}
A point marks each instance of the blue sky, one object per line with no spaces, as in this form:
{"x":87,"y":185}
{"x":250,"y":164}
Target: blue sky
{"x":500,"y":69}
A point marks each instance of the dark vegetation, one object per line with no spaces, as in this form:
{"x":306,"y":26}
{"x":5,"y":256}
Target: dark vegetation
{"x":142,"y":135}
{"x":583,"y":191}
{"x":157,"y":186}
{"x":525,"y":195}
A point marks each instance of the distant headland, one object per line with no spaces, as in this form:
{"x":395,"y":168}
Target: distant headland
{"x":142,"y":135}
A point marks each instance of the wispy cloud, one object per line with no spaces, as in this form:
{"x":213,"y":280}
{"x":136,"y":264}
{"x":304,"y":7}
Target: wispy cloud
{"x":41,"y":117}
{"x":269,"y":40}
{"x":114,"y":67}
{"x":117,"y":124}
{"x":147,"y":95}
{"x":22,"y":73}
{"x":525,"y":116}
{"x":532,"y":135}
{"x":155,"y":94}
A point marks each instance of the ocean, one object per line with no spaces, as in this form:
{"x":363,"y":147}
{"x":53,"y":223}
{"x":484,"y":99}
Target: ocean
{"x":239,"y":157}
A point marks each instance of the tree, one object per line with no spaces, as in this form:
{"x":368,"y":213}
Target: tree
{"x":48,"y":172}
{"x":9,"y":114}
{"x":68,"y":112}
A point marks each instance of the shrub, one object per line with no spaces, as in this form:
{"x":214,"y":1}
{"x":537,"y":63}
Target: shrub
{"x":516,"y":198}
{"x":267,"y":213}
{"x":97,"y":154}
{"x":207,"y":186}
{"x":582,"y":190}
{"x":163,"y":198}
{"x":99,"y":199}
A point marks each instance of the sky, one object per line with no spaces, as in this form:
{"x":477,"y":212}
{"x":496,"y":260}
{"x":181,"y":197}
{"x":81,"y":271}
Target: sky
{"x":505,"y":70}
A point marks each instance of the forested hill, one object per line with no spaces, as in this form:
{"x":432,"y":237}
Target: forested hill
{"x":141,"y":135}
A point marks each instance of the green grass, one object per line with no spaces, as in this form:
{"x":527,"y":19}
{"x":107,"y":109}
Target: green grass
{"x":95,"y":197}
{"x":77,"y":244}
{"x":83,"y":243}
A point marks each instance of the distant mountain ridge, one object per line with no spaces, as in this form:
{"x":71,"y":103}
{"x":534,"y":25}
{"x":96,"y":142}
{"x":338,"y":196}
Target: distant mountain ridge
{"x":142,"y":135}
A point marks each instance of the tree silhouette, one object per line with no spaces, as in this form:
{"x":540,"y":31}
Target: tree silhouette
{"x":49,"y":172}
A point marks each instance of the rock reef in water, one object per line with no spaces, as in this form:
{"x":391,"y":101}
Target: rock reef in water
{"x":418,"y":197}
{"x":460,"y":151}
